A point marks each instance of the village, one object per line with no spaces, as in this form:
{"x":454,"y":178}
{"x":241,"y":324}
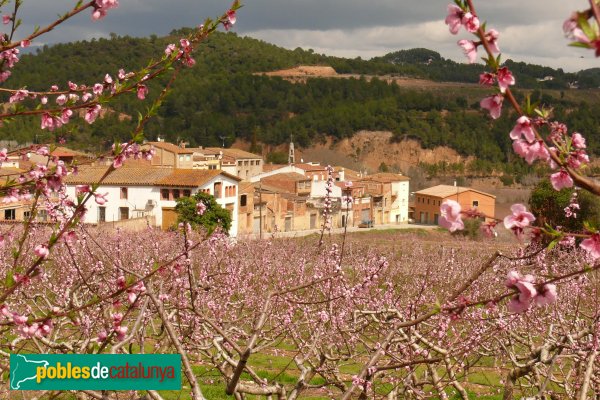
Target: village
{"x":262,"y":199}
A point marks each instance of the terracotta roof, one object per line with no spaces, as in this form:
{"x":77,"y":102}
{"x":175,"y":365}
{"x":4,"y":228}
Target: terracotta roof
{"x":232,"y":153}
{"x":273,"y":167}
{"x":246,"y":187}
{"x":146,"y":176}
{"x":172,"y":147}
{"x":444,"y":191}
{"x":134,"y":176}
{"x":188,"y":177}
{"x":310,"y":167}
{"x":292,"y":176}
{"x":65,"y":152}
{"x":7,"y":174}
{"x":386,"y":177}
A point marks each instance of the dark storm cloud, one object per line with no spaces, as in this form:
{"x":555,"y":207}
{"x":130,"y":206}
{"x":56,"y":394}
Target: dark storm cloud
{"x":531,"y":30}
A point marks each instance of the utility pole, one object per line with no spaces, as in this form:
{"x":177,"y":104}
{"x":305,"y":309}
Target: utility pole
{"x":260,"y":208}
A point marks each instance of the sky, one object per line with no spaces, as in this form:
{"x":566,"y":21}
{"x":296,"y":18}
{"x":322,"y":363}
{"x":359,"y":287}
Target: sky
{"x":530,"y":30}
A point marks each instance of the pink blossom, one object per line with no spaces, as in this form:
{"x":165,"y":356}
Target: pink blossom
{"x":492,"y":37}
{"x":118,"y":161}
{"x":170,"y":49}
{"x":471,"y":22}
{"x":576,"y":158}
{"x":6,"y":19}
{"x":592,"y":246}
{"x":561,"y":180}
{"x":527,"y":290}
{"x":524,"y":128}
{"x":43,"y":151}
{"x":100,"y":198}
{"x":200,"y":208}
{"x":231,"y":17}
{"x":98,"y":89}
{"x":487,"y":79}
{"x":547,"y":295}
{"x":72,"y":86}
{"x":48,"y":122}
{"x":81,"y":189}
{"x":505,"y":79}
{"x":512,"y":278}
{"x":61,"y":100}
{"x":44,"y":100}
{"x":41,"y":250}
{"x":98,"y":14}
{"x":131,"y":297}
{"x":25,"y":43}
{"x":578,"y":141}
{"x":454,"y":18}
{"x":531,"y":152}
{"x":18,"y":96}
{"x":142,"y":91}
{"x":516,"y":306}
{"x":101,"y":336}
{"x":450,"y":216}
{"x":469,"y":48}
{"x":91,"y":113}
{"x":519,"y":219}
{"x":570,"y":24}
{"x":493,"y":104}
{"x":108,"y":79}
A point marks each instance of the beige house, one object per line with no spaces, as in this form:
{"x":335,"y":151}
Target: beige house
{"x":428,"y":201}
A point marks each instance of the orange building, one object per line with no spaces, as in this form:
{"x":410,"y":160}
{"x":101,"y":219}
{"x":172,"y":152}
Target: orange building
{"x":428,"y":201}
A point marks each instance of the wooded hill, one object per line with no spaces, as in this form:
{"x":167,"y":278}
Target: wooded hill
{"x":222,"y":97}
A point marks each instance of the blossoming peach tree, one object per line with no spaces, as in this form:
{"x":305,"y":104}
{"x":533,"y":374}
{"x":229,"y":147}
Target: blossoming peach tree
{"x":278,"y":318}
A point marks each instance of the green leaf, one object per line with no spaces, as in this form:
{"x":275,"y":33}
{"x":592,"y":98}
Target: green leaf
{"x":10,"y":280}
{"x":585,"y":26}
{"x":553,"y":244}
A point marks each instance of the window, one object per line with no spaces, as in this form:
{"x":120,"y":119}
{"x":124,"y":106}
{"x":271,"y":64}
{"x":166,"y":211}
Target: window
{"x":246,"y":162}
{"x":124,"y":193}
{"x":187,"y":193}
{"x":243,"y":200}
{"x":475,"y":203}
{"x":257,"y":162}
{"x":187,"y":157}
{"x":42,"y":215}
{"x":101,"y":214}
{"x":123,"y":212}
{"x":176,"y":194}
{"x":217,"y":190}
{"x":10,"y":214}
{"x":26,"y":214}
{"x":164,"y":194}
{"x":212,"y":167}
{"x":239,"y":163}
{"x":180,"y":158}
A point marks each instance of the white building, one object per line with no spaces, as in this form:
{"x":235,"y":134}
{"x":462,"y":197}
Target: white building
{"x":145,"y":191}
{"x":390,"y":197}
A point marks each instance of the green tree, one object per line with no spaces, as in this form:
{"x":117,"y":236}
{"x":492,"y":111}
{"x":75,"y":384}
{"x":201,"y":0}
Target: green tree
{"x":548,"y":206}
{"x":214,"y":216}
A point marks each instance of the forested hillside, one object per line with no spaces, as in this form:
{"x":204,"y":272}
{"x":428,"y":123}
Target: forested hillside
{"x":222,"y":97}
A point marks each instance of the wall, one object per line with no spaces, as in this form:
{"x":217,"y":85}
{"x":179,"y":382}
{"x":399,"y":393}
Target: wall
{"x":137,"y":198}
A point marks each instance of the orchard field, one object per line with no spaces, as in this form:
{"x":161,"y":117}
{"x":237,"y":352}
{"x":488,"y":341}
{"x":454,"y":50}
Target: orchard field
{"x":396,"y":314}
